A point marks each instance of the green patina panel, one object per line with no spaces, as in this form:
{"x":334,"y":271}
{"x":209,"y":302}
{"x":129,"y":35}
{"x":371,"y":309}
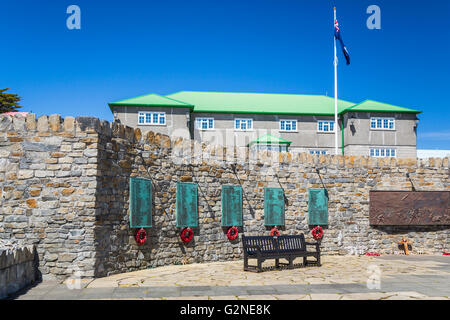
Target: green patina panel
{"x":231,"y":206}
{"x":317,"y":207}
{"x":187,"y":214}
{"x":140,"y":203}
{"x":273,"y":207}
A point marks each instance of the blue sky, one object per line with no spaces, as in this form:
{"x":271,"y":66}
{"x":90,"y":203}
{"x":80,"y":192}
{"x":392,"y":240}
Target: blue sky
{"x":130,"y":48}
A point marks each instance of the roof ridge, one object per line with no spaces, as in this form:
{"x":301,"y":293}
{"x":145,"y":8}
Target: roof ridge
{"x":246,"y":92}
{"x":180,"y":101}
{"x":355,"y":105}
{"x":143,"y":95}
{"x":405,"y":109}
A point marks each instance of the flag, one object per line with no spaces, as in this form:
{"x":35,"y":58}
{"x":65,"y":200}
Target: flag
{"x":338,"y":36}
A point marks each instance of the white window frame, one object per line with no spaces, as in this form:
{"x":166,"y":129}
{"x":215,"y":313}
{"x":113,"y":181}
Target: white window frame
{"x":318,"y":152}
{"x":380,"y":121}
{"x":274,"y":147}
{"x":149,"y":117}
{"x":323,"y":122}
{"x":199,"y":123}
{"x":247,"y":120}
{"x":381,"y":152}
{"x":291,"y":121}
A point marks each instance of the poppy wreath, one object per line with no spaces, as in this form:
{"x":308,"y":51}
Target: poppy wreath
{"x":186,"y":234}
{"x":232,"y":233}
{"x":274,"y":232}
{"x":141,"y":236}
{"x":317,"y":232}
{"x":372,"y":254}
{"x":446,"y":253}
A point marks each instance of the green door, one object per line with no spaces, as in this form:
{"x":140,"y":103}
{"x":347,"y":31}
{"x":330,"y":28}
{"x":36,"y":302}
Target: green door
{"x":187,"y":214}
{"x":231,"y":206}
{"x":273,"y":207}
{"x":317,"y":207}
{"x":140,"y":203}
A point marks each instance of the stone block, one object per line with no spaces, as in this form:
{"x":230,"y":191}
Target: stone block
{"x":69,"y":124}
{"x":31,"y":122}
{"x":88,"y":124}
{"x":66,"y":257}
{"x":118,"y":130}
{"x":32,"y":203}
{"x":54,"y":122}
{"x":5,"y":123}
{"x":42,"y":124}
{"x":19,"y":123}
{"x":50,"y":257}
{"x":68,"y":191}
{"x":90,"y":153}
{"x":25,"y":174}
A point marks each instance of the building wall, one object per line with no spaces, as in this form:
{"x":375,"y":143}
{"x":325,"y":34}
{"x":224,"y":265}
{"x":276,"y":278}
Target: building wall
{"x":305,"y":138}
{"x":364,"y":150}
{"x":64,"y":187}
{"x":177,"y":119}
{"x":359,"y":137}
{"x":430,"y":153}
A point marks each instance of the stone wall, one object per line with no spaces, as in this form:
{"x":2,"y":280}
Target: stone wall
{"x":65,"y":188}
{"x":48,"y":182}
{"x":17,"y":269}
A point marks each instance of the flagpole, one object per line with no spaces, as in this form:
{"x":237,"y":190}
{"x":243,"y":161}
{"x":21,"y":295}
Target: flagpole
{"x":335,"y":92}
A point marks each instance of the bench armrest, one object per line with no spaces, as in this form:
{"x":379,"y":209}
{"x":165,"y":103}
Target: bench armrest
{"x":316,"y":244}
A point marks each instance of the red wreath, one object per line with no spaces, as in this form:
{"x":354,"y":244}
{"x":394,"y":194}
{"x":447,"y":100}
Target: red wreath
{"x":372,"y":254}
{"x":186,"y":234}
{"x":317,"y":232}
{"x":141,"y":236}
{"x":446,"y":253}
{"x":274,"y":232}
{"x":232,"y":233}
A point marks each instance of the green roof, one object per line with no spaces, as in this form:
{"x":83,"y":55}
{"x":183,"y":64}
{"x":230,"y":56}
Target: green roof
{"x":265,"y":103}
{"x":269,"y":139}
{"x":258,"y":103}
{"x":151,"y":100}
{"x":375,"y":106}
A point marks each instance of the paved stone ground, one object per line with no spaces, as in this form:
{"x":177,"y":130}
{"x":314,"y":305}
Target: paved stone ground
{"x":339,"y":278}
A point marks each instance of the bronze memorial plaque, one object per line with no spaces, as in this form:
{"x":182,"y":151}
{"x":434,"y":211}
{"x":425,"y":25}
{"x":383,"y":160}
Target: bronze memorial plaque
{"x":408,"y":208}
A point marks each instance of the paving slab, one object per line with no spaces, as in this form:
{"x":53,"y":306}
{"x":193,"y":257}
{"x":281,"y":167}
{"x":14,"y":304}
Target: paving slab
{"x":257,"y":297}
{"x":130,"y":292}
{"x":96,"y":293}
{"x":340,"y":277}
{"x":325,"y":296}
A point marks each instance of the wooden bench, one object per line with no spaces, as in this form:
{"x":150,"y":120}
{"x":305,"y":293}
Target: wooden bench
{"x":281,"y":247}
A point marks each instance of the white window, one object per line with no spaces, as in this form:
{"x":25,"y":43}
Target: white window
{"x":325,"y":126}
{"x":204,"y":123}
{"x":317,"y":152}
{"x":382,"y":152}
{"x":382,"y":123}
{"x":243,"y":124}
{"x":275,"y":147}
{"x":288,"y":125}
{"x":152,"y":118}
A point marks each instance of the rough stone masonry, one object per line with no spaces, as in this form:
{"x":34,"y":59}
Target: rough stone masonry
{"x":64,"y":187}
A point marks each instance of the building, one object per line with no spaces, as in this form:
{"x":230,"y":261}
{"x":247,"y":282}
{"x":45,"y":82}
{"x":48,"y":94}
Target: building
{"x":431,"y":153}
{"x":368,"y":128}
